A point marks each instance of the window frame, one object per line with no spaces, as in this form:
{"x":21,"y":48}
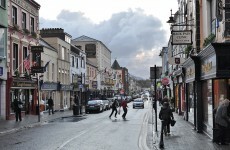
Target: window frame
{"x":14,"y":15}
{"x":3,"y":3}
{"x":32,"y":24}
{"x":24,"y":20}
{"x":15,"y":58}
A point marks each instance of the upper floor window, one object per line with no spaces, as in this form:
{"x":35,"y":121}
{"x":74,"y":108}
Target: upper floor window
{"x":62,"y":53}
{"x":3,"y":3}
{"x":14,"y":15}
{"x":15,"y":57}
{"x":52,"y":72}
{"x":67,"y":39}
{"x":32,"y":24}
{"x":23,"y":20}
{"x":72,"y":61}
{"x":2,"y":41}
{"x":76,"y":62}
{"x":25,"y":54}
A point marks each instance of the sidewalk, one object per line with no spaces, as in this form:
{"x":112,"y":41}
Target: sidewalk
{"x":28,"y":121}
{"x":182,"y":137}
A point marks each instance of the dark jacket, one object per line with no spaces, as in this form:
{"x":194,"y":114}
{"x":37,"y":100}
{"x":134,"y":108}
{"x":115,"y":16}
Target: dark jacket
{"x":166,"y":113}
{"x":115,"y":104}
{"x":16,"y":105}
{"x":50,"y":102}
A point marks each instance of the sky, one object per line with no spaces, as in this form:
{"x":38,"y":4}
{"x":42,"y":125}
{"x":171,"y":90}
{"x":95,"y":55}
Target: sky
{"x":134,"y":30}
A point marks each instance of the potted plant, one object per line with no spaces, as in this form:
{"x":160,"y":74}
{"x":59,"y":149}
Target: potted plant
{"x":16,"y":27}
{"x":34,"y":34}
{"x":209,"y":39}
{"x":26,"y":31}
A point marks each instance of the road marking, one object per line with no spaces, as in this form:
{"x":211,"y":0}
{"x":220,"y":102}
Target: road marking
{"x":77,"y":136}
{"x":143,"y":133}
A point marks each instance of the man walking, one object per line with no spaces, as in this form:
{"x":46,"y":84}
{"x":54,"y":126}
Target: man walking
{"x":124,"y":106}
{"x":114,"y":108}
{"x":51,"y":104}
{"x":17,"y":109}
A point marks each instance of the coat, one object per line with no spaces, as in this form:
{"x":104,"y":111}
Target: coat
{"x":166,"y":113}
{"x":222,"y":117}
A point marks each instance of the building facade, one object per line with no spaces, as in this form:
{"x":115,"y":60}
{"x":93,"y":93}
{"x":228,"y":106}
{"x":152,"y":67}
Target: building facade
{"x":61,"y":41}
{"x":3,"y":60}
{"x":23,"y":25}
{"x":100,"y":55}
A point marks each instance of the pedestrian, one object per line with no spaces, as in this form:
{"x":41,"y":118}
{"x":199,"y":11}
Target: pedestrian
{"x":17,"y":109}
{"x":222,"y":120}
{"x":114,"y":108}
{"x":124,"y":106}
{"x":165,"y":99}
{"x":51,"y":105}
{"x":166,"y":115}
{"x":76,"y":100}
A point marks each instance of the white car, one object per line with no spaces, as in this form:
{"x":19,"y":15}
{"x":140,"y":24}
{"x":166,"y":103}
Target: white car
{"x":138,"y":103}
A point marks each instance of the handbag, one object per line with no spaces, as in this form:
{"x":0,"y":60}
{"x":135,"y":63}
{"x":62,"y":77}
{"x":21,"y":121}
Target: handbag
{"x":119,"y":110}
{"x":172,"y":122}
{"x":20,"y":106}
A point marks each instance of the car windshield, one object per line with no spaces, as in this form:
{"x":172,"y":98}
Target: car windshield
{"x":92,"y":102}
{"x":138,"y":100}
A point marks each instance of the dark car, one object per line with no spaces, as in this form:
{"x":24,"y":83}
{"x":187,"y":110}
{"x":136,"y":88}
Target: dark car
{"x":138,"y":103}
{"x":95,"y":105}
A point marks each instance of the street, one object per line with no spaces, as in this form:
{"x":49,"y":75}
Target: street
{"x":94,"y":132}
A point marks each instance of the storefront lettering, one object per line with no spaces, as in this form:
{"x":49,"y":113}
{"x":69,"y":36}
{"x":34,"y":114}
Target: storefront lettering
{"x":207,"y":67}
{"x":190,"y":71}
{"x":23,"y":84}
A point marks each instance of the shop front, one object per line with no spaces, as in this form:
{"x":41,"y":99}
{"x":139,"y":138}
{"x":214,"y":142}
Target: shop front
{"x":192,"y":75}
{"x":178,"y":79}
{"x":215,"y":82}
{"x":24,"y":90}
{"x":48,"y":89}
{"x":65,"y":100}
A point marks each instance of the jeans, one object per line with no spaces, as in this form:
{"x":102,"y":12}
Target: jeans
{"x":51,"y":108}
{"x":125,"y":112}
{"x":113,"y":109}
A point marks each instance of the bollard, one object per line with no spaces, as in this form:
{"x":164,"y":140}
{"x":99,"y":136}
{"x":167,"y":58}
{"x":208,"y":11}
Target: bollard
{"x":161,"y":145}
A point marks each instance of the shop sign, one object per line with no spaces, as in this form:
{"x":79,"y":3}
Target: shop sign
{"x":183,"y":37}
{"x":66,"y":87}
{"x":24,"y":84}
{"x":208,"y":67}
{"x":155,"y":72}
{"x":36,"y":59}
{"x":49,"y":86}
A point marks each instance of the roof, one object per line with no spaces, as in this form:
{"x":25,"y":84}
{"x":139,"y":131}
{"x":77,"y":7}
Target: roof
{"x":115,"y":65}
{"x":42,"y":42}
{"x":84,"y":38}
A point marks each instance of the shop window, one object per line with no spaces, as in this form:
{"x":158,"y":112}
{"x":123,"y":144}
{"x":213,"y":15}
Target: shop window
{"x":207,"y":102}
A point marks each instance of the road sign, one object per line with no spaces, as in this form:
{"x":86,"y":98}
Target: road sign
{"x":155,"y":72}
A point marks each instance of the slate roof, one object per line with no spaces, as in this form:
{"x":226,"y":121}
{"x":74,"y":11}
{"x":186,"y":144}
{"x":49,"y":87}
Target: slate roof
{"x":115,"y":65}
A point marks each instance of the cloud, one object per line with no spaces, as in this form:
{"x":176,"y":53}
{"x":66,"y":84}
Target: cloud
{"x":134,"y":38}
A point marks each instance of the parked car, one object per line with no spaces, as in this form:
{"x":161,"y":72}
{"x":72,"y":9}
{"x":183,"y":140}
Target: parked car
{"x":110,"y":102}
{"x":107,"y":104}
{"x":129,"y":98}
{"x":138,"y":103}
{"x":95,"y":105}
